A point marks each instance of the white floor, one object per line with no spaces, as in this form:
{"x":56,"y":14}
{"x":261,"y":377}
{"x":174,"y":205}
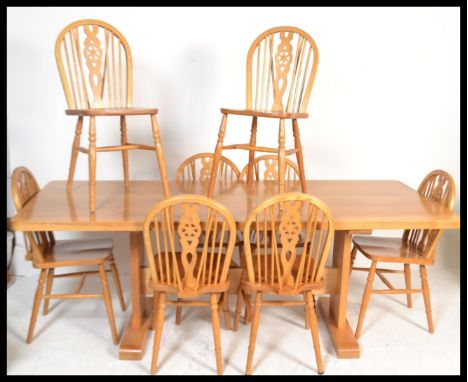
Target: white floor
{"x":75,"y":338}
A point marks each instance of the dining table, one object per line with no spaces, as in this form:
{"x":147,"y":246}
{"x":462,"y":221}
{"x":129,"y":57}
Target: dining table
{"x":358,"y":206}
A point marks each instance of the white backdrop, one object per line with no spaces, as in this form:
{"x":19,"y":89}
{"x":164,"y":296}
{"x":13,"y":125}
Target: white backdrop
{"x":385,"y":104}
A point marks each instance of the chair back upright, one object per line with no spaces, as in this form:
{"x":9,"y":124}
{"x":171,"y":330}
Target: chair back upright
{"x":266,"y":168}
{"x":198,"y":167}
{"x":178,"y":263}
{"x":281,"y":67}
{"x":23,"y":188}
{"x":438,"y":186}
{"x":95,"y":65}
{"x":292,"y":258}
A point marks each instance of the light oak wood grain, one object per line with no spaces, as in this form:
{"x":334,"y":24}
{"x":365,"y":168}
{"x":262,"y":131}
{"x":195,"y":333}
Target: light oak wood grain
{"x":96,"y":69}
{"x":416,"y":247}
{"x":355,"y":205}
{"x":281,"y":267}
{"x":281,"y":67}
{"x":190,"y":272}
{"x":48,"y":254}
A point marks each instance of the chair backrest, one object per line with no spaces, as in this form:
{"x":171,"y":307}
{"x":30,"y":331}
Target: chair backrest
{"x":277,"y":259}
{"x":266,"y":168}
{"x":95,"y":65}
{"x":23,"y":188}
{"x":281,"y":67}
{"x":439,"y":186}
{"x":198,"y":167}
{"x":172,"y":232}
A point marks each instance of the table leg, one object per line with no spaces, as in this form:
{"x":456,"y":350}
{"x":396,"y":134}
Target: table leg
{"x":132,"y":346}
{"x":333,"y":309}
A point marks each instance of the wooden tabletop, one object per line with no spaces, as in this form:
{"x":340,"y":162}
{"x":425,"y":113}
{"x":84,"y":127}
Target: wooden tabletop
{"x":355,"y":204}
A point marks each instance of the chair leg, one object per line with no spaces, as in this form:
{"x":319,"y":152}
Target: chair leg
{"x":124,"y":141}
{"x":216,"y":332}
{"x":50,"y":279}
{"x":74,"y":154}
{"x":155,"y":310}
{"x":248,"y":309}
{"x":108,"y":302}
{"x":314,"y":330}
{"x":300,"y":159}
{"x":92,"y":163}
{"x":253,"y":142}
{"x":306,"y":313}
{"x":227,"y":318}
{"x":427,"y":298}
{"x":217,"y":155}
{"x":237,"y":314}
{"x":118,"y":286}
{"x":353,"y":258}
{"x":158,"y":322}
{"x":253,"y":332}
{"x":409,"y":298}
{"x":178,"y":316}
{"x":37,"y":303}
{"x":281,"y":156}
{"x":365,"y":298}
{"x":160,"y":155}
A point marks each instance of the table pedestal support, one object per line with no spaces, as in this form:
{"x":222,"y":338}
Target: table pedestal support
{"x":343,"y":340}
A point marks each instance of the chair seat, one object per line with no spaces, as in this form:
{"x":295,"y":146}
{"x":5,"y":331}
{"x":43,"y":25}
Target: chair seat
{"x":111,"y":111}
{"x":266,"y":114}
{"x":389,"y":249}
{"x":77,"y":252}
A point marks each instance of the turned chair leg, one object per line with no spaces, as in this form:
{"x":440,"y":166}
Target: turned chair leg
{"x":299,"y":157}
{"x":253,"y":332}
{"x":160,"y":155}
{"x":353,"y":258}
{"x":314,"y":331}
{"x":248,"y":308}
{"x":216,"y":332}
{"x":365,"y":298}
{"x":124,"y":141}
{"x":37,"y":303}
{"x":118,"y":286}
{"x":227,"y":318}
{"x":409,"y":298}
{"x":217,"y":155}
{"x":108,"y":303}
{"x":74,"y":154}
{"x":155,"y":310}
{"x":237,"y":314}
{"x":92,"y":163}
{"x":427,"y":298}
{"x":306,"y":313}
{"x":253,"y":142}
{"x":178,"y":316}
{"x":224,"y":304}
{"x":50,"y":279}
{"x":281,"y":156}
{"x":158,"y":322}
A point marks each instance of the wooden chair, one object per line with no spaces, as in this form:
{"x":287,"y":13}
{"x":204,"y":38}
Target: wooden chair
{"x":95,"y":66}
{"x":417,"y":247}
{"x":281,"y":67}
{"x":190,"y":273}
{"x":265,"y":167}
{"x":47,"y":254}
{"x":281,"y":268}
{"x":198,"y":167}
